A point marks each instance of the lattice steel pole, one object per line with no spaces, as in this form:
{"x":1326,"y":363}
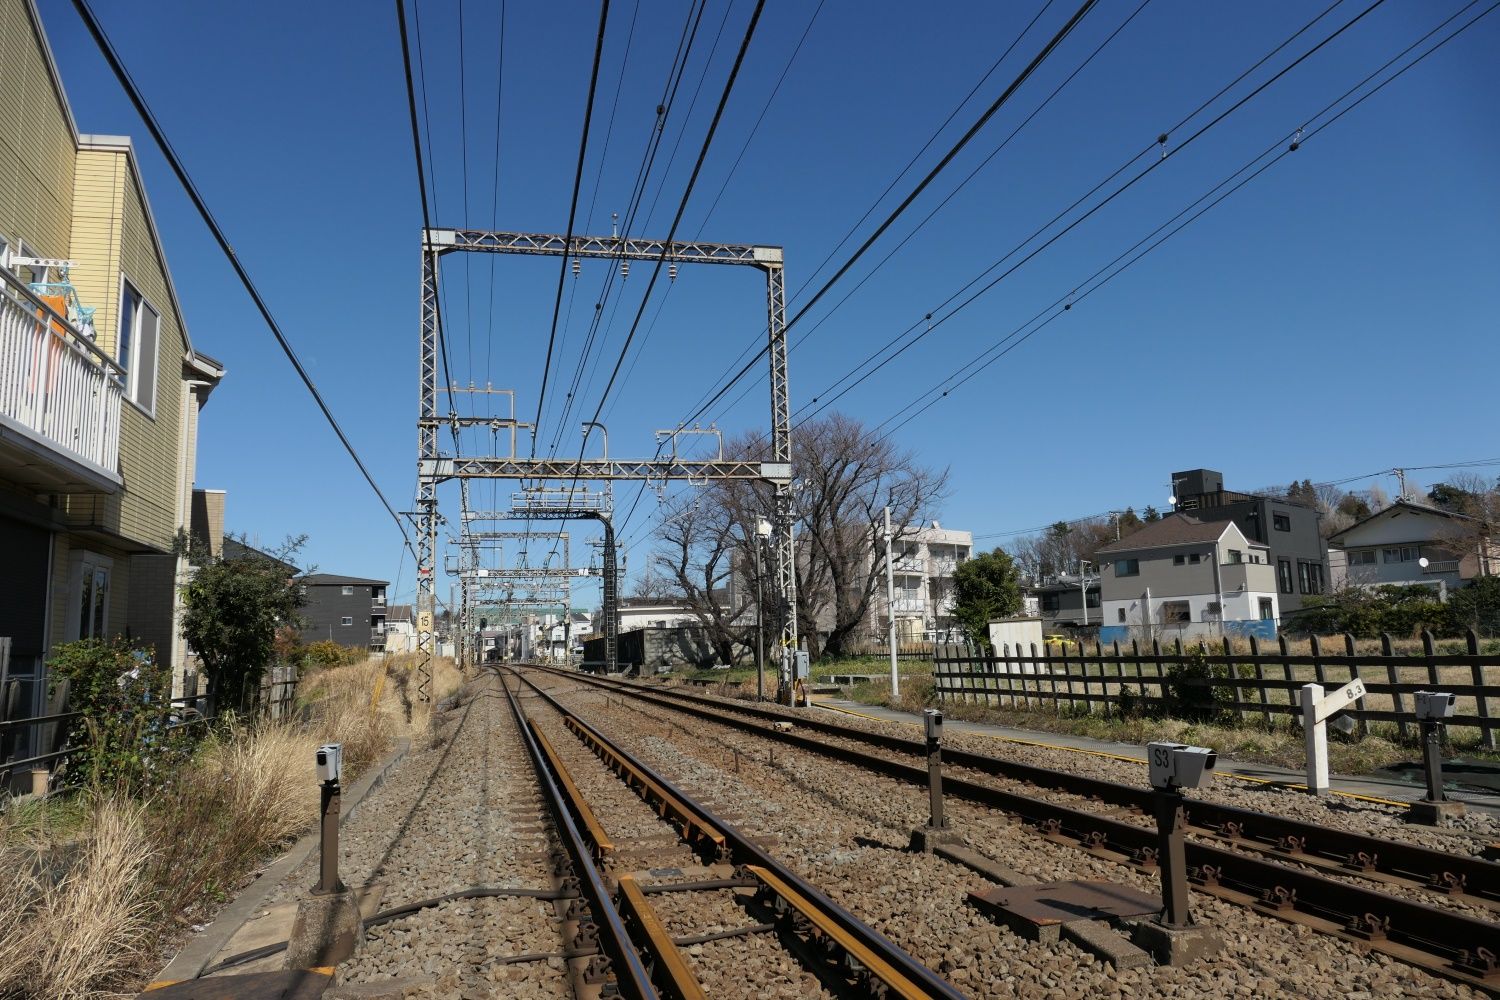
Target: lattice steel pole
{"x":427,"y":454}
{"x":611,"y":599}
{"x":783,"y":515}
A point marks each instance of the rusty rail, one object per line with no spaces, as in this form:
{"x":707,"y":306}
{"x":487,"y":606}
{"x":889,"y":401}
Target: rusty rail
{"x":1443,"y":941}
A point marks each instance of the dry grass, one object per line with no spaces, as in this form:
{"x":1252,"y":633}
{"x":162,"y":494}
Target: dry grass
{"x":100,"y":883}
{"x":75,"y":923}
{"x":1281,"y":745}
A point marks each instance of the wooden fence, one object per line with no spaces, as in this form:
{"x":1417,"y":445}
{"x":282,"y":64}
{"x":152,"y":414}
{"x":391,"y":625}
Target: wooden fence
{"x":1259,"y":686}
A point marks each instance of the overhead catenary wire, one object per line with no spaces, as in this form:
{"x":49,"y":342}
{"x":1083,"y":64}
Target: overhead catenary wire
{"x":158,"y":135}
{"x":687,"y":194}
{"x":890,"y":186}
{"x":562,"y":272}
{"x":1147,"y":148}
{"x":916,"y":192}
{"x":648,"y":159}
{"x":1167,"y":155}
{"x":1297,"y":138}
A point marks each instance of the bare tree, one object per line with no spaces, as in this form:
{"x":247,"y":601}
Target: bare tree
{"x":699,"y":543}
{"x":846,"y":475}
{"x":654,"y":585}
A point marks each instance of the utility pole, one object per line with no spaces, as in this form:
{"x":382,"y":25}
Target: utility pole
{"x":890,"y":600}
{"x":1083,"y":589}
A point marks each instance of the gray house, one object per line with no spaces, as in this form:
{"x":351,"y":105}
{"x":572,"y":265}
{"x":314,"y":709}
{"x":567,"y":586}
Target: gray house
{"x":349,"y":610}
{"x":1413,"y":543}
{"x":1289,"y":530}
{"x":1182,"y":577}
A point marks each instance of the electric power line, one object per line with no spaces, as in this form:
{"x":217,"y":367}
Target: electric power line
{"x":128,"y":84}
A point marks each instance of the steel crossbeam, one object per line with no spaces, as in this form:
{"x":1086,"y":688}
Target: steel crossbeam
{"x":613,"y":247}
{"x":434,"y":468}
{"x":441,"y":469}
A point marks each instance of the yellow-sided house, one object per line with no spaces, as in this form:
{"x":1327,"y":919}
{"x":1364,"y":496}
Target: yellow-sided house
{"x":100,"y":390}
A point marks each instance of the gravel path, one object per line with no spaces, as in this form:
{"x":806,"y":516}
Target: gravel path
{"x":845,"y":829}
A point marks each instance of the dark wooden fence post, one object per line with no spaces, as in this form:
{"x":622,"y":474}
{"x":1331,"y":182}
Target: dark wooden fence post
{"x":1428,"y":652}
{"x":1103,"y":678}
{"x":1286,"y":669}
{"x":1234,"y":680}
{"x":1486,"y":728}
{"x":1161,"y":688}
{"x":1317,"y":652}
{"x":1360,"y":721}
{"x":1260,"y":677}
{"x":1398,"y":701}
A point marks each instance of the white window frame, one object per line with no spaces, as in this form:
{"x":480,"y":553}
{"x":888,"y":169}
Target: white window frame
{"x":133,"y":367}
{"x":96,"y":568}
{"x":347,"y":590}
{"x":346,"y":620}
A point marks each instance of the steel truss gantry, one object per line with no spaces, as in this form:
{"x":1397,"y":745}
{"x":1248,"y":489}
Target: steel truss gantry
{"x":433,"y":468}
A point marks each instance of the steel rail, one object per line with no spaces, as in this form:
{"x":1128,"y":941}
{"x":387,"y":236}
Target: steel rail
{"x":909,"y":977}
{"x":631,"y":977}
{"x":1442,"y":941}
{"x":1466,"y":878}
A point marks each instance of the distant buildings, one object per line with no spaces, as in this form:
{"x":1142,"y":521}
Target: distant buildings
{"x":1288,"y":529}
{"x":924,"y":564}
{"x":1186,"y":577}
{"x":348,"y":610}
{"x":1412,"y":543}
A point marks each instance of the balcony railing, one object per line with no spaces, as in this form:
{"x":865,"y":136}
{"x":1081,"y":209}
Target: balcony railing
{"x":1441,"y":566}
{"x":908,"y":605}
{"x":53,"y":380}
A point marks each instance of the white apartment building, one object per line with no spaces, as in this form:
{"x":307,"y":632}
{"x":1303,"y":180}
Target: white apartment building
{"x":924,"y":565}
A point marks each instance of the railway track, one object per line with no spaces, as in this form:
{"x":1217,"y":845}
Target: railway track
{"x":630,"y":923}
{"x":1253,"y":859}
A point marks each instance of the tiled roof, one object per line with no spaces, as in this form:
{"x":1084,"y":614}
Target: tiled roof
{"x":1174,"y":529}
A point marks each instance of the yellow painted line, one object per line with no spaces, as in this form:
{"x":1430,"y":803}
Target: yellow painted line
{"x":1115,"y":756}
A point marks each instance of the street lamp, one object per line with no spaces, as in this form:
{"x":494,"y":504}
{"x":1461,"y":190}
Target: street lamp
{"x":762,"y":536}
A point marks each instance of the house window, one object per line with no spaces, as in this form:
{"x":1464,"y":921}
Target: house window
{"x":1236,"y":556}
{"x":1400,"y":554}
{"x":1121,"y":613}
{"x":347,"y":591}
{"x":346,"y":620}
{"x":1361,"y":557}
{"x":1092,"y":597}
{"x":1267,"y":609}
{"x":1175,"y":612}
{"x":1179,"y":560}
{"x":136,"y":346}
{"x":1284,"y":575}
{"x":1050,"y":602}
{"x":1195,"y":558}
{"x":1127,"y":567}
{"x":1281,"y":522}
{"x":1310,"y":576}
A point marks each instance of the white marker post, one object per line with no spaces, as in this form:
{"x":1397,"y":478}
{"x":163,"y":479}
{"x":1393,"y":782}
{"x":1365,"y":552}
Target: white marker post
{"x":1317,"y":708}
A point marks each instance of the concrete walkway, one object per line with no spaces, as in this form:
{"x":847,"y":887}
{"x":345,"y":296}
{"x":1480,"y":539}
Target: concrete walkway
{"x":1379,"y":787}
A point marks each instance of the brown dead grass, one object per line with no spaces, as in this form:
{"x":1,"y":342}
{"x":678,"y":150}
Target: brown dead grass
{"x":75,"y":923}
{"x":92,"y":887}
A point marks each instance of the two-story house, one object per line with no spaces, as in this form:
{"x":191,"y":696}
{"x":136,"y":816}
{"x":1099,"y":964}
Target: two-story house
{"x":1287,"y":528}
{"x":348,"y":610}
{"x":1413,"y":543}
{"x":1064,"y":601}
{"x":100,"y":385}
{"x":1181,"y":577}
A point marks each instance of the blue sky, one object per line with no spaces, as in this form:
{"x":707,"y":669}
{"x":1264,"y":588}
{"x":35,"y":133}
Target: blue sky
{"x":1334,"y":317}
